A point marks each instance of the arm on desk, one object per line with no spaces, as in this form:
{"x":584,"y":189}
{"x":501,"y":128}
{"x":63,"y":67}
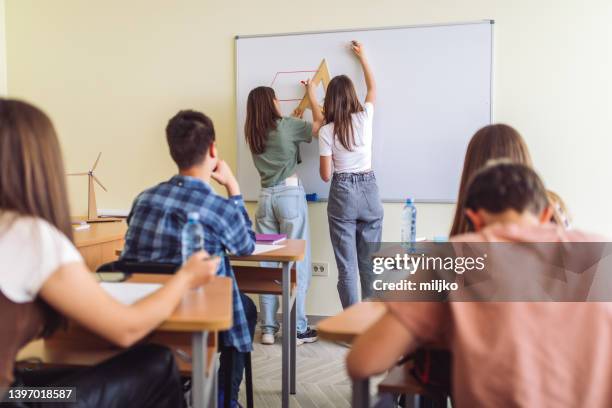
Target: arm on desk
{"x":74,"y":293}
{"x":379,"y":348}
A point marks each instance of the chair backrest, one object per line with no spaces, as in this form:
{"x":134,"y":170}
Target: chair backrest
{"x":138,"y":267}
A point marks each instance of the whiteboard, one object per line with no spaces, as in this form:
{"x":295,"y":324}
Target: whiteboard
{"x":434,"y":88}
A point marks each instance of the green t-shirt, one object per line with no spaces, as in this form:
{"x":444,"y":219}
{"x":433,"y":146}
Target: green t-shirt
{"x":282,"y":153}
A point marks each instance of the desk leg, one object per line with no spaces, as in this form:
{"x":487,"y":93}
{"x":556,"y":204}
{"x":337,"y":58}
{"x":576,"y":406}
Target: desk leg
{"x":200,"y":384}
{"x":287,"y":332}
{"x":214,"y":394}
{"x":361,"y":394}
{"x":292,"y":347}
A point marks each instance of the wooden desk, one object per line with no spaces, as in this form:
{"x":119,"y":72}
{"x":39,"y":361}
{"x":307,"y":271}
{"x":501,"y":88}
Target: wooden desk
{"x":293,"y":250}
{"x":99,"y":243}
{"x":345,"y":327}
{"x":350,"y":323}
{"x":203,"y":311}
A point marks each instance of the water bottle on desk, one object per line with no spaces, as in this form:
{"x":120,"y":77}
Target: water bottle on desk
{"x":408,"y":235}
{"x":192,"y":236}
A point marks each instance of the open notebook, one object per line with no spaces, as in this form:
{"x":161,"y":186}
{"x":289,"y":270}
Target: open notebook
{"x":128,"y":293}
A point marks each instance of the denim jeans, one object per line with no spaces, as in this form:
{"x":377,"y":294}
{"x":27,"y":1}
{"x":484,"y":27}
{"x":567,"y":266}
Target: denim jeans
{"x":282,"y":209}
{"x":355,"y":215}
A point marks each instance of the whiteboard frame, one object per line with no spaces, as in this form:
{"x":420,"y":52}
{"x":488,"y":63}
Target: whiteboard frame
{"x":345,"y":30}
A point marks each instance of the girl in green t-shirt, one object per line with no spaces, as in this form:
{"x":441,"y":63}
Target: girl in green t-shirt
{"x":274,"y":143}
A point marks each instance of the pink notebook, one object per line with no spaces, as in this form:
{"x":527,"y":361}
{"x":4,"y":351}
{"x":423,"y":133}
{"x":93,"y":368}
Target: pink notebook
{"x":270,"y":239}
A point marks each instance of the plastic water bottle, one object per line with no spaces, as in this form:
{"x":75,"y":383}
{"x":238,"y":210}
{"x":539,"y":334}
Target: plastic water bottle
{"x":192,"y":236}
{"x":409,"y":215}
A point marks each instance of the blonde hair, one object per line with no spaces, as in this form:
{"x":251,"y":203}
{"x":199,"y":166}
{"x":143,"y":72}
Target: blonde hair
{"x":561,"y":215}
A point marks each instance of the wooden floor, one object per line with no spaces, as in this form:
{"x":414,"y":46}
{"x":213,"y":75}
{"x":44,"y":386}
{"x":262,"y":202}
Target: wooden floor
{"x":321,"y":377}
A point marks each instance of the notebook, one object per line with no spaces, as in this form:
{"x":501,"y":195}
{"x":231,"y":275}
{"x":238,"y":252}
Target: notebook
{"x":270,"y":239}
{"x":129,"y":293}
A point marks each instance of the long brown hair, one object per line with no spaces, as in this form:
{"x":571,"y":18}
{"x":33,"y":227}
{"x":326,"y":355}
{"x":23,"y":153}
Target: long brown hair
{"x":32,"y":177}
{"x":340,"y":103}
{"x":261,"y":118}
{"x":490,"y":142}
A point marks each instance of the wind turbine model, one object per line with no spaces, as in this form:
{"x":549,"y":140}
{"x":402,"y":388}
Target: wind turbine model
{"x":92,"y":209}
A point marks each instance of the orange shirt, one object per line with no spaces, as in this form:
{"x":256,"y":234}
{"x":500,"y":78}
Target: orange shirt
{"x":521,"y":354}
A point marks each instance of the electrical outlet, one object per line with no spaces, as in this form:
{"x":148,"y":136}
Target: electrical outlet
{"x":320,"y":269}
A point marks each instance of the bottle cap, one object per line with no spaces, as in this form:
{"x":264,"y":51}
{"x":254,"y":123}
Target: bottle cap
{"x":193,"y":216}
{"x":409,"y":201}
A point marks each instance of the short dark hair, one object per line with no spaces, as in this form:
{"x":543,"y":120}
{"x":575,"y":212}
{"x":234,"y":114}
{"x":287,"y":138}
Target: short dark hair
{"x":189,"y":134}
{"x":502,"y":185}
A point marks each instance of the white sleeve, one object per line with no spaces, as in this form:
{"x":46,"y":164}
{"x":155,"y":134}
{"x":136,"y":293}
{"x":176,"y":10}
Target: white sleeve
{"x":32,"y":250}
{"x":325,"y":140}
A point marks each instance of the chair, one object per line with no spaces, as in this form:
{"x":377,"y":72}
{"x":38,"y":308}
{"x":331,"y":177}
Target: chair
{"x":166,"y":268}
{"x":401,"y":381}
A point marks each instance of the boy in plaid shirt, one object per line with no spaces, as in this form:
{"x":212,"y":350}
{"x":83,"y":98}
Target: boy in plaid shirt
{"x":159,"y":213}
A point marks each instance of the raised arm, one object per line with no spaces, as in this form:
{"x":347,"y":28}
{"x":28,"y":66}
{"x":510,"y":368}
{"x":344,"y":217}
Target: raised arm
{"x":73,"y":291}
{"x":359,"y":51}
{"x":237,"y":234}
{"x":317,"y":113}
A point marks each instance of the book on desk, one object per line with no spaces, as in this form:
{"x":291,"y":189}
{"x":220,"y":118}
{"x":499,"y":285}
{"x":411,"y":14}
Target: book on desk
{"x":270,"y":239}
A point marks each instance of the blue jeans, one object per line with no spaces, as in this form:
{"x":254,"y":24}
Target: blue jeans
{"x":282,"y":209}
{"x":355,"y":215}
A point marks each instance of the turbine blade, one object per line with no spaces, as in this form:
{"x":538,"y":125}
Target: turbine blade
{"x":98,"y":181}
{"x":77,"y":174}
{"x":96,"y":162}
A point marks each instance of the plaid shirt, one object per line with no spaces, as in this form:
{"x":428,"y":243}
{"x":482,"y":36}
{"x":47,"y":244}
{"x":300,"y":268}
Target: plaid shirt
{"x":154,"y":234}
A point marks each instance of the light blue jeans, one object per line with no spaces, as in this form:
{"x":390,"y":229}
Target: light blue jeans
{"x":282,"y":209}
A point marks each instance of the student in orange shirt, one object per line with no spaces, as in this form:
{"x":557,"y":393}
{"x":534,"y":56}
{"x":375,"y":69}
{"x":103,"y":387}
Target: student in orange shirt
{"x":504,"y":354}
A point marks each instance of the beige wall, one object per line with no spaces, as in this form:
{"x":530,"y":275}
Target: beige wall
{"x":111,"y":73}
{"x":3,"y":87}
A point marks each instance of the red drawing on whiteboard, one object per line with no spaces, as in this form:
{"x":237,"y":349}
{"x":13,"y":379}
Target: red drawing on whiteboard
{"x":279,"y":73}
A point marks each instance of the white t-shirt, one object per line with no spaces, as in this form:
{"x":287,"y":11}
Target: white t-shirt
{"x":346,"y":161}
{"x":31,"y":249}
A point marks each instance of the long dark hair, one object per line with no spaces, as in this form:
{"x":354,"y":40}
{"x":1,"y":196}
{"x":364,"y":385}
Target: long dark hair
{"x":261,"y":118}
{"x":32,"y":177}
{"x":490,"y":142}
{"x":340,"y":103}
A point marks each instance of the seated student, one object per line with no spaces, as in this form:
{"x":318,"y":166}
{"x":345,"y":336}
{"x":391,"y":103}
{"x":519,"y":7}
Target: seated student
{"x":159,"y":213}
{"x":44,"y":281}
{"x":527,"y":354}
{"x":496,"y":142}
{"x":491,"y":142}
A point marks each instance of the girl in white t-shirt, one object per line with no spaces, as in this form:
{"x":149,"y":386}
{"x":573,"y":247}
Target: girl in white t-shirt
{"x":354,"y":210}
{"x":43,"y":280}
